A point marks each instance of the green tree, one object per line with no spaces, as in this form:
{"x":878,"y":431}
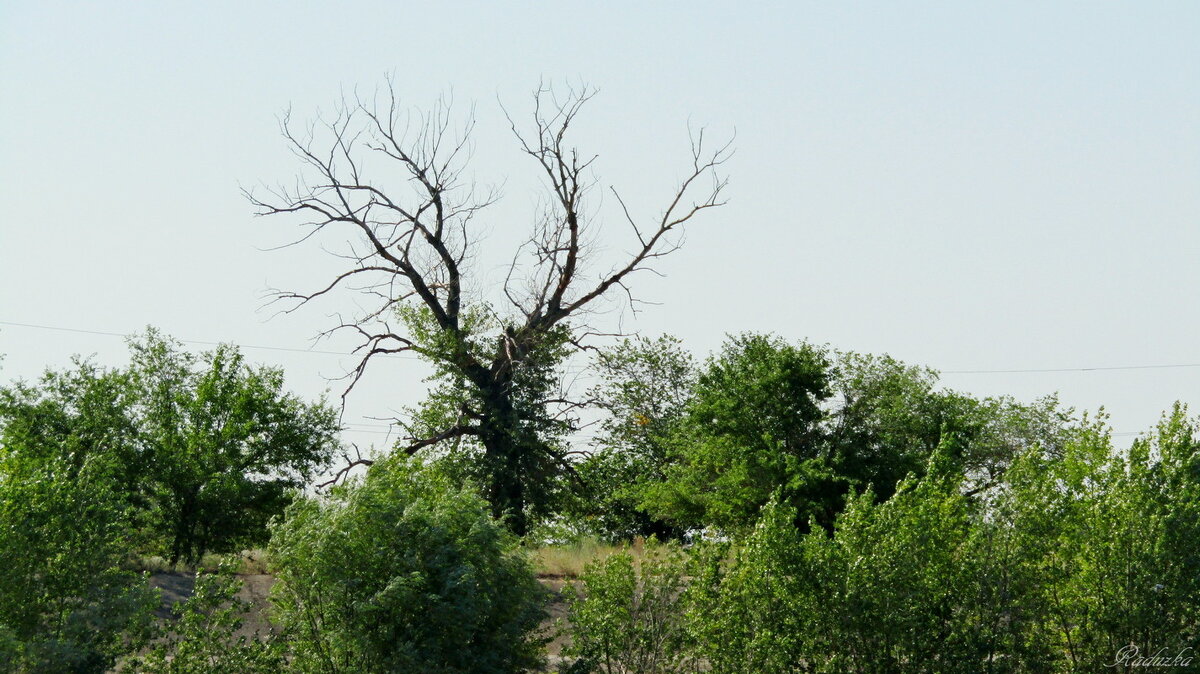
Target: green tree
{"x":753,"y":426}
{"x":205,"y":449}
{"x":400,"y":571}
{"x":224,"y":444}
{"x":388,"y":189}
{"x":766,"y":415}
{"x":888,"y":417}
{"x":644,"y":388}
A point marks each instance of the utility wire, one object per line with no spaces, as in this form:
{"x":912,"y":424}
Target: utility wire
{"x":369,"y":428}
{"x":1074,"y":369}
{"x":197,"y":341}
{"x":410,"y":357}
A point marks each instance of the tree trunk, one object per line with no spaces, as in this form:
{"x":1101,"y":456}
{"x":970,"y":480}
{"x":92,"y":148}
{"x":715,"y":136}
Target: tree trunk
{"x":509,"y":492}
{"x":182,"y":547}
{"x":501,"y":433}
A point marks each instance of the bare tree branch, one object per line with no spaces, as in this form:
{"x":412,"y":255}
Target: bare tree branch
{"x":408,"y":244}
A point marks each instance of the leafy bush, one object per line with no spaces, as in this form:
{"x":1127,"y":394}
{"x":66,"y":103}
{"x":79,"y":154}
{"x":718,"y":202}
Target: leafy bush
{"x":65,"y":603}
{"x":921,"y":582}
{"x":894,"y":589}
{"x":204,"y":640}
{"x":741,"y":604}
{"x":1083,"y":555}
{"x":628,"y":618}
{"x":401,"y":571}
{"x":1113,"y":539}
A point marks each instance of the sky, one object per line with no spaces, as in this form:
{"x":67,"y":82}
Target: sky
{"x":976,"y":188}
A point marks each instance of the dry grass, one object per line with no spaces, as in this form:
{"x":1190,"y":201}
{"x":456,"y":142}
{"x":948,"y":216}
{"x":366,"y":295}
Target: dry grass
{"x":565,"y":560}
{"x":249,"y":562}
{"x":569,"y":559}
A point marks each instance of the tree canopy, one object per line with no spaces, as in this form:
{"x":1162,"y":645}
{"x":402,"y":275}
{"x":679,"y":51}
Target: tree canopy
{"x":204,"y":449}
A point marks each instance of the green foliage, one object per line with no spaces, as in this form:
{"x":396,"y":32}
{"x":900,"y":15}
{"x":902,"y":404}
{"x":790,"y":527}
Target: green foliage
{"x":11,"y":650}
{"x":225,"y":444}
{"x":895,"y":588}
{"x":1112,"y":536}
{"x":205,"y":449}
{"x":865,"y":520}
{"x":512,"y":425}
{"x":990,"y":433}
{"x":1082,"y":553}
{"x":628,"y":618}
{"x":204,"y":640}
{"x":741,"y":604}
{"x":898,"y":582}
{"x":752,"y":428}
{"x":401,"y":571}
{"x":766,"y":415}
{"x":644,"y":388}
{"x":65,"y":603}
{"x":763,"y":387}
{"x":886,"y":420}
{"x":223,"y":441}
{"x":77,"y":415}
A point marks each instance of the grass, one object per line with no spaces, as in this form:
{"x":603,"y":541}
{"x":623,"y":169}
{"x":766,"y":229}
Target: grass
{"x":565,"y":560}
{"x":568,"y":560}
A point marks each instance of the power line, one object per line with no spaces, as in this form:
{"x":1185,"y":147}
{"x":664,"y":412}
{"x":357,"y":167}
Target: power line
{"x":410,"y":357}
{"x":197,"y":341}
{"x":1074,"y":369}
{"x":358,"y":427}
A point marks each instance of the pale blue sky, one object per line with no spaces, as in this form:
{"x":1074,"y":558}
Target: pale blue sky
{"x":960,"y":186}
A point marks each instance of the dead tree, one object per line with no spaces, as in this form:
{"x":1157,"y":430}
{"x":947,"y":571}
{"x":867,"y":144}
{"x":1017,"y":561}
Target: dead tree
{"x":408,"y":245}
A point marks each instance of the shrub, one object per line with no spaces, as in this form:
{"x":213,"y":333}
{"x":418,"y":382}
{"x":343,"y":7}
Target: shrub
{"x":741,"y":601}
{"x":204,"y":639}
{"x":1115,"y":539}
{"x":888,"y":591}
{"x":65,"y":603}
{"x":400,"y":571}
{"x":894,"y":587}
{"x":628,"y":619}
